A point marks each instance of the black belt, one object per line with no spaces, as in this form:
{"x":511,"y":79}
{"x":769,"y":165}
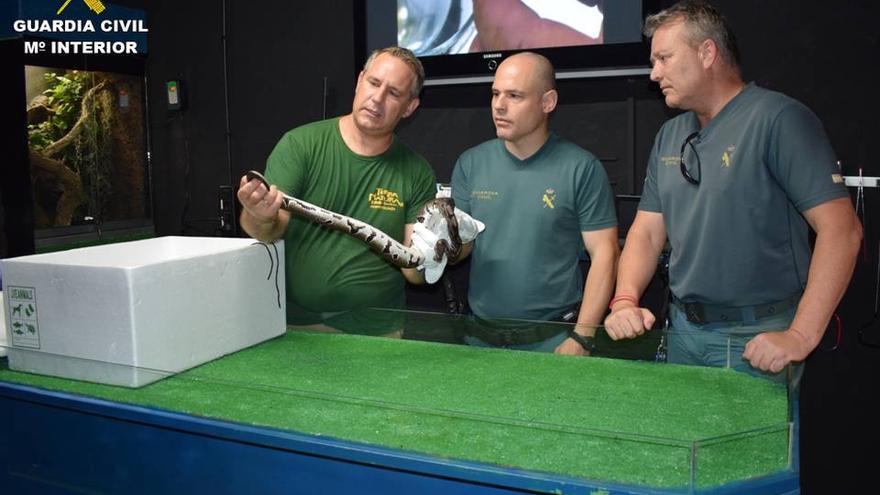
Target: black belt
{"x":499,"y":336}
{"x":700,"y":313}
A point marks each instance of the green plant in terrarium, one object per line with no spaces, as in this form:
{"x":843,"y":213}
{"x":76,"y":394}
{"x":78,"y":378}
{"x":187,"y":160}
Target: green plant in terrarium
{"x":64,"y":95}
{"x":72,"y":135}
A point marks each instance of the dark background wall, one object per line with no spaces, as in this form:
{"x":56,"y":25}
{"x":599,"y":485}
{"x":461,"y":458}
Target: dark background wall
{"x":256,"y":69}
{"x":278,"y":57}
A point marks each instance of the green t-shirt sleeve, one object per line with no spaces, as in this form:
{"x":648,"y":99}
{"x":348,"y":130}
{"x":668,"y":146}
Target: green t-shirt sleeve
{"x":461,"y":188}
{"x":287,"y":166}
{"x":424,"y":188}
{"x":801,"y":159}
{"x":595,"y":200}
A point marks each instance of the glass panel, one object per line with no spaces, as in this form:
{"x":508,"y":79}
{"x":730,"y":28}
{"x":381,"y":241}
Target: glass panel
{"x":618,"y":417}
{"x":87,"y":151}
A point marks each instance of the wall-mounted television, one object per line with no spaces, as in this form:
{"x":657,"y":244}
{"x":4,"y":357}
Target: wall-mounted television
{"x":463,"y":41}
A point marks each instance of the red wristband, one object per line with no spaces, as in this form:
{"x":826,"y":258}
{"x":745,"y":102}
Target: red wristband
{"x":622,"y":297}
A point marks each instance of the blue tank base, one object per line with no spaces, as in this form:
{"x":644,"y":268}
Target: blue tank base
{"x":63,"y":443}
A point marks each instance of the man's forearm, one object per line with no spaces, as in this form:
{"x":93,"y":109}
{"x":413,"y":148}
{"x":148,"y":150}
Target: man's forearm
{"x":597,"y":290}
{"x":638,"y":262}
{"x":834,"y":258}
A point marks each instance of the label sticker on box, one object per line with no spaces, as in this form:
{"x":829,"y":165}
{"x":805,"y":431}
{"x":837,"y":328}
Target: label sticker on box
{"x":23,"y":316}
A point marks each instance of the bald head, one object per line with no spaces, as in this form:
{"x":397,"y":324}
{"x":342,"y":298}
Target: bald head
{"x":523,"y":96}
{"x":539,"y":69}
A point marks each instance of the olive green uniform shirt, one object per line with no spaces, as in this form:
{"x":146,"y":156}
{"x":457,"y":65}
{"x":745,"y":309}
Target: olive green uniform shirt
{"x":329,"y":271}
{"x":525,"y":264}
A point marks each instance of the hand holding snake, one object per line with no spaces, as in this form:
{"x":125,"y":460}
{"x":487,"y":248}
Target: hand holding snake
{"x":433,"y":216}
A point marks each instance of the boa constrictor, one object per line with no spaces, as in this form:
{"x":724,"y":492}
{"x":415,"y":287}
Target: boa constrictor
{"x":378,"y":241}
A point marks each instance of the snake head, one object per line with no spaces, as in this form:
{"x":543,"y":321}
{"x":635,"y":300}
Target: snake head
{"x":254,"y":175}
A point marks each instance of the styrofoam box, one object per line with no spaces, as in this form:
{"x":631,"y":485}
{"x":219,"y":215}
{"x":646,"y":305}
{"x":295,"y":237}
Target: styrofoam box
{"x":133,"y":312}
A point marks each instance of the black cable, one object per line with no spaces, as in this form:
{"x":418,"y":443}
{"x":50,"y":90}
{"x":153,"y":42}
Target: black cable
{"x":660,"y":355}
{"x":271,"y":260}
{"x":186,"y":225}
{"x":277,"y":269}
{"x":224,"y":37}
{"x":274,"y":265}
{"x":187,"y":167}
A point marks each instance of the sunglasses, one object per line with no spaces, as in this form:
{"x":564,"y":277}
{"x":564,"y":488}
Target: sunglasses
{"x":685,"y":172}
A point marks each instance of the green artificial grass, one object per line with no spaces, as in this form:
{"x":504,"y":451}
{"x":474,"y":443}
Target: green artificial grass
{"x":595,"y":418}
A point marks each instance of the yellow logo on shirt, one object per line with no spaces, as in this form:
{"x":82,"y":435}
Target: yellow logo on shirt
{"x":383,"y":199}
{"x":727,"y":156}
{"x":548,"y":198}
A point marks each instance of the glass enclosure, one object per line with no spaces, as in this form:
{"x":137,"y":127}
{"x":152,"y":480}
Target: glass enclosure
{"x":87,"y":149}
{"x":418,"y":382}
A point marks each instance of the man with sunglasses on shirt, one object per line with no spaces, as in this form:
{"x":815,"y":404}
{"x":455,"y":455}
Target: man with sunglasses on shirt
{"x":734,"y":184}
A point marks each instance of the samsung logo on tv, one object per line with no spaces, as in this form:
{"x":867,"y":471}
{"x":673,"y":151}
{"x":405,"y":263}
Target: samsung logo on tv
{"x":491,"y":55}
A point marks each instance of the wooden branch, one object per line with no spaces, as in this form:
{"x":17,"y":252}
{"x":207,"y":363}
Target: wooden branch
{"x":85,"y":113}
{"x":57,"y":174}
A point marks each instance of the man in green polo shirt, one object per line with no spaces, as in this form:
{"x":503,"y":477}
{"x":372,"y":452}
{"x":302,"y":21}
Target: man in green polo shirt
{"x":353,"y":165}
{"x":734,"y":184}
{"x":543,"y":200}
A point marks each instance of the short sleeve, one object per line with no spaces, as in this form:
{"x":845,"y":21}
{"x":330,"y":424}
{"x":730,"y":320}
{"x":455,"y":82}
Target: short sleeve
{"x":288,"y":164}
{"x":595,"y":200}
{"x":650,"y":198}
{"x":461,"y":187}
{"x":424,"y":188}
{"x":801,"y":160}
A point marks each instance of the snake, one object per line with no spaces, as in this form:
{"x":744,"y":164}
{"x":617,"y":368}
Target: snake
{"x":445,"y":207}
{"x":377,"y":240}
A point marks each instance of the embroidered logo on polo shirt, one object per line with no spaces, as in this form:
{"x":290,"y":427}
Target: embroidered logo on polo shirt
{"x":670,"y":160}
{"x":384,"y":199}
{"x":549,"y":197}
{"x":727,"y":156}
{"x":484,"y":195}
